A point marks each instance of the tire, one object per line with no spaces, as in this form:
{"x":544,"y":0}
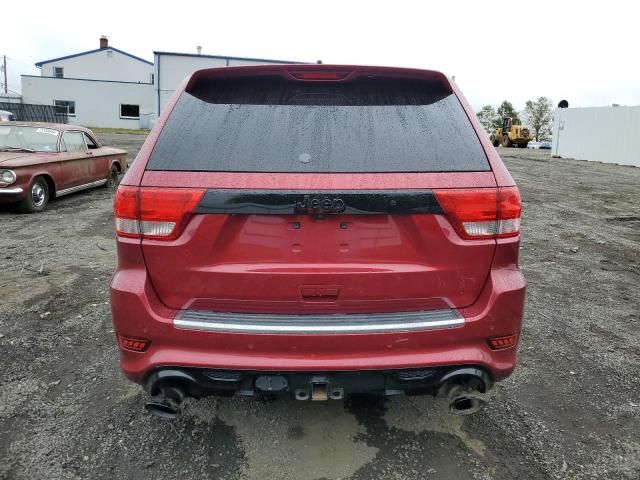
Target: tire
{"x":114,"y":178}
{"x":506,"y":141}
{"x":496,"y":143}
{"x":523,"y":145}
{"x":37,"y":197}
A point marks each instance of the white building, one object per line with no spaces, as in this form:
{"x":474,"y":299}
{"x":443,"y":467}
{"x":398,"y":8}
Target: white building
{"x":603,"y":134}
{"x":108,"y":87}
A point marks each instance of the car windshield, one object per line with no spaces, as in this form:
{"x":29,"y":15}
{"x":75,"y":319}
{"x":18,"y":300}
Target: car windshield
{"x":20,"y":137}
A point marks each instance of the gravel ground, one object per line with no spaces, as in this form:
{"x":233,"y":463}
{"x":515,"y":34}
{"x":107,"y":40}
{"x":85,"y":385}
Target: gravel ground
{"x":570,"y":411}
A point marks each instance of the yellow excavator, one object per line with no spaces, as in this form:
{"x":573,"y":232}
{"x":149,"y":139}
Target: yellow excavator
{"x":511,"y":134}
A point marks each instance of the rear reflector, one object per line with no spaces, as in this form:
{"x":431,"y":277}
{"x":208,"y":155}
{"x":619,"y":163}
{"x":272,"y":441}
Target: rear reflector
{"x":483,"y":212}
{"x":502,"y":342}
{"x":133,"y":344}
{"x":154,"y":213}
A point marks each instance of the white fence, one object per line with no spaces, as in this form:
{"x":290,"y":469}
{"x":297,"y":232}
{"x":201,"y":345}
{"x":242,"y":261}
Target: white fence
{"x":603,"y":134}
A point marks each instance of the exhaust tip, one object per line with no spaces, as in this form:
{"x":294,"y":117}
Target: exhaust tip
{"x":163,"y":408}
{"x":463,"y":398}
{"x":466,"y":404}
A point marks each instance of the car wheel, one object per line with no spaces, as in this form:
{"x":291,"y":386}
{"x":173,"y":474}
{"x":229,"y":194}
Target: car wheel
{"x":114,"y":178}
{"x":37,"y":198}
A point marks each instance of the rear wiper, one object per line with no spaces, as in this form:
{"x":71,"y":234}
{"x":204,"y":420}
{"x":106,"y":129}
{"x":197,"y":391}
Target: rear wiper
{"x":17,"y":149}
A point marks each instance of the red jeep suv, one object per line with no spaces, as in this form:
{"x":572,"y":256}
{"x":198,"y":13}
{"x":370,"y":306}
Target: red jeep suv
{"x":318,"y":231}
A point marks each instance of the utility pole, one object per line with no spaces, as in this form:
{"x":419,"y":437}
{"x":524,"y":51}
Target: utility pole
{"x":4,"y":69}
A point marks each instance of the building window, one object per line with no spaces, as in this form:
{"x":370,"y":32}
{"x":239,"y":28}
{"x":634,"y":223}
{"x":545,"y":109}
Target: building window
{"x":129,"y":111}
{"x":65,"y":106}
{"x":58,"y":72}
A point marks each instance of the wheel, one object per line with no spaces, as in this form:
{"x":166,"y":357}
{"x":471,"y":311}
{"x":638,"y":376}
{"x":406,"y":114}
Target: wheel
{"x":114,"y":178}
{"x":37,"y":198}
{"x":506,"y":141}
{"x":496,"y":143}
{"x":523,"y":145}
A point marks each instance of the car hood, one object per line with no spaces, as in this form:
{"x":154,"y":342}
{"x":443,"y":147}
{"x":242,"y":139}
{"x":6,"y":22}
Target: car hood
{"x":21,"y":159}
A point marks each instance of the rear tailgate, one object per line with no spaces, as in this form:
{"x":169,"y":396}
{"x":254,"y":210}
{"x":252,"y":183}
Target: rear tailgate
{"x":318,"y":197}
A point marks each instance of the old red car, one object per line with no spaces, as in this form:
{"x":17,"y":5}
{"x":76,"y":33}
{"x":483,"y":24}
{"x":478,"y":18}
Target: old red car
{"x":41,"y":161}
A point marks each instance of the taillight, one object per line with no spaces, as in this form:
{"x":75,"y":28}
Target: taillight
{"x":154,"y":213}
{"x":510,"y":211}
{"x":125,"y":208}
{"x":483,"y":212}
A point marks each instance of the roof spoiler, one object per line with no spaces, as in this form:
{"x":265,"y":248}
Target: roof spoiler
{"x":317,"y":73}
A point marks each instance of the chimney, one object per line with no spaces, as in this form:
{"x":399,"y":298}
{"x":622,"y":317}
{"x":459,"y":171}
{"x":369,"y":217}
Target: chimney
{"x":104,"y":42}
{"x":199,"y":49}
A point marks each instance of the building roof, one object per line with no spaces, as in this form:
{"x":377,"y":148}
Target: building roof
{"x":84,"y":80}
{"x":222,"y":57}
{"x":88,"y":52}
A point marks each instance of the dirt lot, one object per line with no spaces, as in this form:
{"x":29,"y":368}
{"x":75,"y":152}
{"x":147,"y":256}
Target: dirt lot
{"x":571,"y":410}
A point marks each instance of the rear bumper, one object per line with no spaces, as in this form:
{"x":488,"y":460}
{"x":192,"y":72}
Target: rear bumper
{"x":137,"y":312}
{"x":202,"y":382}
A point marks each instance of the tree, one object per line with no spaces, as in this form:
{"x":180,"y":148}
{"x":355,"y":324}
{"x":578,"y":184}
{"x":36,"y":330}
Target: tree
{"x":488,"y":117}
{"x":506,"y":110}
{"x":539,"y":115}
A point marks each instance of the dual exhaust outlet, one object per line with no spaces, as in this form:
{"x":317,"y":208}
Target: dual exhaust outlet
{"x":461,"y":393}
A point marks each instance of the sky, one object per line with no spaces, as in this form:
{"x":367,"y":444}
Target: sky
{"x":584,"y":52}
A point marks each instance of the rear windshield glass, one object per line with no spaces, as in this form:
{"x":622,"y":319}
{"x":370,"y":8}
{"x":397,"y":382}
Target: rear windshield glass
{"x":273,"y":125}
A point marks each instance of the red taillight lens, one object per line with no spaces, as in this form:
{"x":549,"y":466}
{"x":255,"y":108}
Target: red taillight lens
{"x":133,"y":344}
{"x":165,"y":211}
{"x":320,"y":75}
{"x":126,"y":211}
{"x":483,"y":212}
{"x":502,"y":342}
{"x":510,"y":211}
{"x":154,"y":213}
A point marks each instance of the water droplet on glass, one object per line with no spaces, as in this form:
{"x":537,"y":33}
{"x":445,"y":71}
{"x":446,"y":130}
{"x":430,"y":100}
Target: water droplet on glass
{"x":304,"y":158}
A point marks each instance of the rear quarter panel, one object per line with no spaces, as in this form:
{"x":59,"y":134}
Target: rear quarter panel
{"x":105,"y":157}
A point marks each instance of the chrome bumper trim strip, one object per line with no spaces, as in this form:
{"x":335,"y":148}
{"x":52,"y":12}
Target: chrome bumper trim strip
{"x":318,"y":324}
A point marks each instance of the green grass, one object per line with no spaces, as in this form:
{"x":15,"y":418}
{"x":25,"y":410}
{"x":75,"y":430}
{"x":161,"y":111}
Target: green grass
{"x":119,"y":130}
